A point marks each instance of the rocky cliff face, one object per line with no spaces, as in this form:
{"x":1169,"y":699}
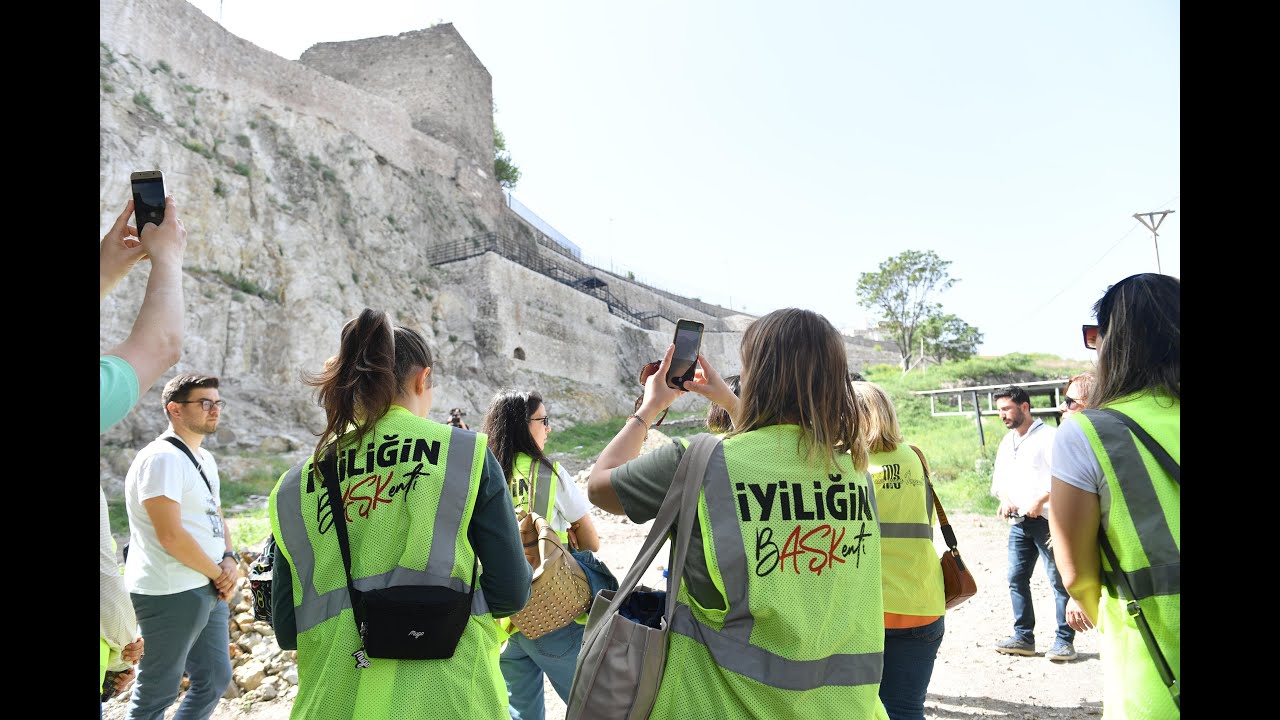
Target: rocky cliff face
{"x":309,"y":194}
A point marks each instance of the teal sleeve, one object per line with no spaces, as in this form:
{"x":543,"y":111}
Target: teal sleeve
{"x":117,"y":390}
{"x":496,"y":538}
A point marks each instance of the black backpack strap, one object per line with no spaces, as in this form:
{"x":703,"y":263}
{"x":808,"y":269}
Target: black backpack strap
{"x":1120,"y":582}
{"x":187,"y":451}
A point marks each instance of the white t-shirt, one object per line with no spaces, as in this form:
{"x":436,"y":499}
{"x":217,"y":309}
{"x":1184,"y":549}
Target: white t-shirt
{"x":571,"y":503}
{"x":1075,"y":463}
{"x":160,"y":469}
{"x":1022,"y":470}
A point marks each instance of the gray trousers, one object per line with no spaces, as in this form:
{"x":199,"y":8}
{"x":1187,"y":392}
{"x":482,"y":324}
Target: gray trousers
{"x":186,"y":631}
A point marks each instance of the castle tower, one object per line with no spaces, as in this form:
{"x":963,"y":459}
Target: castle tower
{"x":431,"y":73}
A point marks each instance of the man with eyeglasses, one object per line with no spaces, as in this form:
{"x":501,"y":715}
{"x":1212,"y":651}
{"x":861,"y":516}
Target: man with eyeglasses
{"x":180,"y":569}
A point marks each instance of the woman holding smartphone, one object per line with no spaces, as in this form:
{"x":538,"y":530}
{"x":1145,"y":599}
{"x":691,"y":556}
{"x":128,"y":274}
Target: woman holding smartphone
{"x":786,"y":524}
{"x":518,"y":424}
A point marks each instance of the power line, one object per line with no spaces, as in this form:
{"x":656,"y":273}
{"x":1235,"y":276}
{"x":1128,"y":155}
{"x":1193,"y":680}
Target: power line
{"x":1101,"y":257}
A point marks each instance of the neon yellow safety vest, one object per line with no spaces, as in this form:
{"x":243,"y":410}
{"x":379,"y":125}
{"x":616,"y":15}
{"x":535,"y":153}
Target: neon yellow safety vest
{"x":409,"y":493}
{"x":912,"y":576}
{"x":794,"y":553}
{"x":534,"y":488}
{"x":1144,"y":528}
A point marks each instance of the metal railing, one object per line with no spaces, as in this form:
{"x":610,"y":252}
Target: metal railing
{"x":576,"y":275}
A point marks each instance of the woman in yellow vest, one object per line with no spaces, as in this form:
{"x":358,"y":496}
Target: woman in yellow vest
{"x":912,"y":579}
{"x":779,"y":613}
{"x":425,"y":510}
{"x":518,"y":425}
{"x":1116,"y":469}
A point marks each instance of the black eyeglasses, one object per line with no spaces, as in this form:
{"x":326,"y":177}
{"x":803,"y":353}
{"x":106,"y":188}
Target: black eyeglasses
{"x":205,"y":404}
{"x":1090,"y":336}
{"x":545,"y":420}
{"x":1070,"y":402}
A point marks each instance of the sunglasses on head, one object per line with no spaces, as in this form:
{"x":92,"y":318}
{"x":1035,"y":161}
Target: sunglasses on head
{"x":645,"y":373}
{"x":1090,"y":336}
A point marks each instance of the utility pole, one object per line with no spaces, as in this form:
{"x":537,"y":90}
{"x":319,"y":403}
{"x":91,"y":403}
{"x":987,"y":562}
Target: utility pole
{"x":1152,"y":222}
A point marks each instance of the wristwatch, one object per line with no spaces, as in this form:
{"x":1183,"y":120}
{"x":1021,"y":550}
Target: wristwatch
{"x":232,"y":555}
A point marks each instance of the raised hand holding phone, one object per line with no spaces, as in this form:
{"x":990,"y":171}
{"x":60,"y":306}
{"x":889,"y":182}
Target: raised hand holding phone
{"x":148,"y":197}
{"x":684,"y":358}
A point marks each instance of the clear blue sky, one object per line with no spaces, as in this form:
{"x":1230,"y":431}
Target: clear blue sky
{"x":763,"y":155}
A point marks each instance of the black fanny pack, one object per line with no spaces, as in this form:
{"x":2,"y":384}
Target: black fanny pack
{"x":413,"y":622}
{"x":402,"y":622}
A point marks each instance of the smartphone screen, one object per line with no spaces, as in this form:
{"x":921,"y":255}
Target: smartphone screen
{"x":148,"y":197}
{"x":684,"y":360}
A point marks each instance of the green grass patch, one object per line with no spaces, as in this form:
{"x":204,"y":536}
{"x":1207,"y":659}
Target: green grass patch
{"x":198,"y":147}
{"x":143,"y":101}
{"x":584,"y":440}
{"x":250,"y":529}
{"x":119,"y":516}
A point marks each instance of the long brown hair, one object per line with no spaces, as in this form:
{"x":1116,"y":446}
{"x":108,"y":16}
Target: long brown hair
{"x":1140,"y":339}
{"x":795,"y":371}
{"x":507,"y":425}
{"x":373,"y":364}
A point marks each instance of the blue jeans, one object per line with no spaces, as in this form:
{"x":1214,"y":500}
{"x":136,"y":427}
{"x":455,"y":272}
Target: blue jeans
{"x":524,"y":661}
{"x":1027,"y":539}
{"x":183,"y":631}
{"x":909,"y":654}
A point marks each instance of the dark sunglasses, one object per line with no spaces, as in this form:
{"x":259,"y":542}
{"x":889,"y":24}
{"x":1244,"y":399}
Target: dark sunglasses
{"x":1070,"y":402}
{"x":545,"y":420}
{"x":645,"y":373}
{"x":1090,"y":336}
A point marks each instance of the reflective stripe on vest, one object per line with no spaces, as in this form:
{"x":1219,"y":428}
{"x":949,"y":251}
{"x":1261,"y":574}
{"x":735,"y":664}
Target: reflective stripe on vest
{"x":921,"y":531}
{"x":543,"y":493}
{"x":731,"y":646}
{"x":1163,"y":574}
{"x":314,"y":608}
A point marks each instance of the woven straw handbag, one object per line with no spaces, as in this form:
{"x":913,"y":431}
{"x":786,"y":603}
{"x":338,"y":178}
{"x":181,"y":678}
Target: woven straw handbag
{"x":560,"y":589}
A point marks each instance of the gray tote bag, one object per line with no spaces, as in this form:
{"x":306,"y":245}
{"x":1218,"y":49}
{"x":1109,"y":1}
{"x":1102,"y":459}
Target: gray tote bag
{"x":621,"y":662}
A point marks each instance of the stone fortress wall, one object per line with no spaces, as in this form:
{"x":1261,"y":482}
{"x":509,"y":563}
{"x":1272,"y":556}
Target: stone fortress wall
{"x":314,"y":188}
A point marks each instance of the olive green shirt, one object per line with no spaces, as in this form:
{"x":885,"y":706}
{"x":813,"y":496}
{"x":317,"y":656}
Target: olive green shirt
{"x":641,"y":486}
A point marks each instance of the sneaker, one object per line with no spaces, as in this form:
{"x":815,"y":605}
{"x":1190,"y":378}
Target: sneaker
{"x":1061,"y":652}
{"x":1014,"y":646}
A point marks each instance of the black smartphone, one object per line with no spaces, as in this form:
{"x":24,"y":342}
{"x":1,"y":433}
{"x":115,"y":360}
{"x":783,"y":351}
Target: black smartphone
{"x":684,"y":361}
{"x":148,"y":197}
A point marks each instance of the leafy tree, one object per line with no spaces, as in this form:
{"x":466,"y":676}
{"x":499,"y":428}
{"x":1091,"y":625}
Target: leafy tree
{"x":503,"y":169}
{"x":947,"y":337}
{"x":900,"y":292}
